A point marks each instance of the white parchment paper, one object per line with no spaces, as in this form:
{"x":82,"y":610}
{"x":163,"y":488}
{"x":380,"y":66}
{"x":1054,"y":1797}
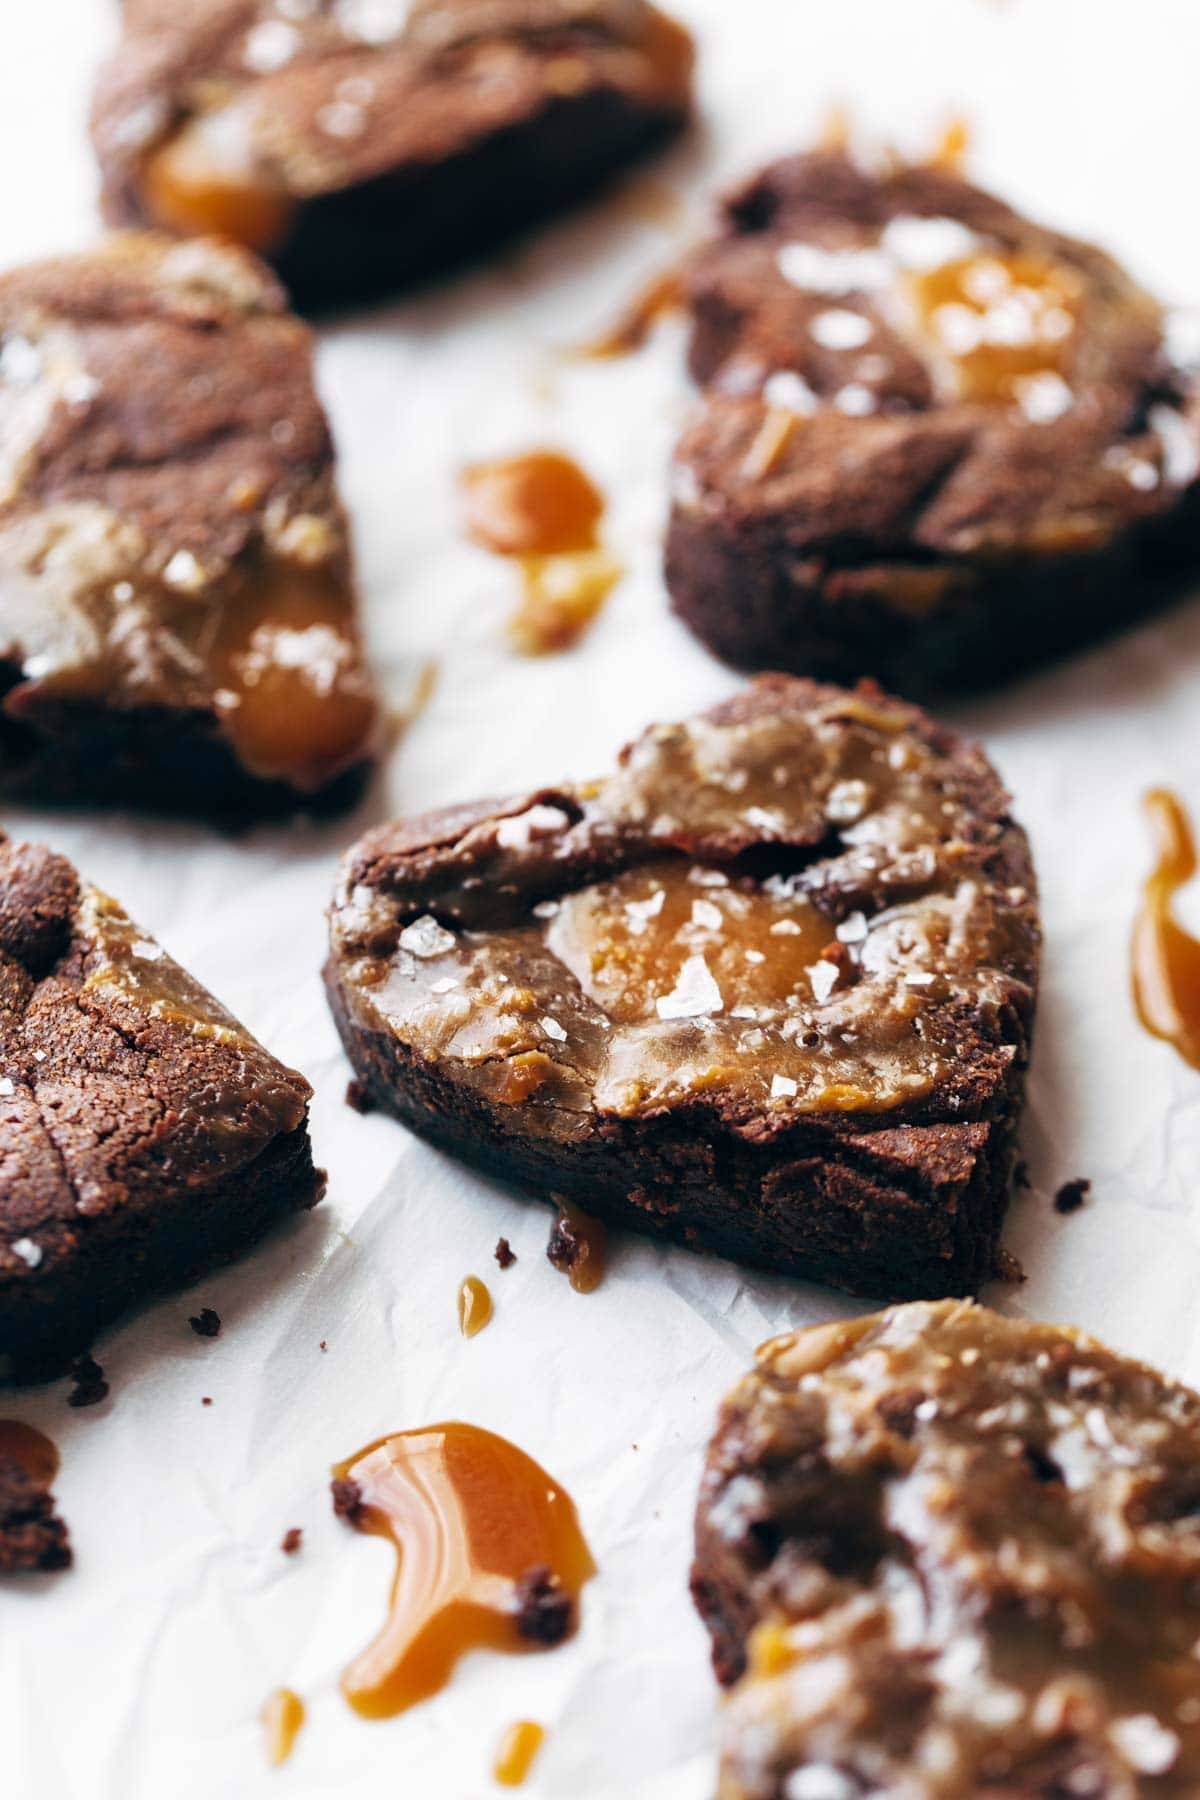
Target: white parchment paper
{"x":140,"y":1675}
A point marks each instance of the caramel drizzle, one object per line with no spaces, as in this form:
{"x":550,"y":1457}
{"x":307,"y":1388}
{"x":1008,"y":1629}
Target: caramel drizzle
{"x":1166,"y":958}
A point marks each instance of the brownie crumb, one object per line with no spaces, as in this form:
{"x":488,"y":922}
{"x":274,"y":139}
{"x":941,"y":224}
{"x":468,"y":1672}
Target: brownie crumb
{"x":358,"y":1098}
{"x":90,"y":1386}
{"x":347,"y":1500}
{"x":32,"y":1536}
{"x":322,"y":1345}
{"x":506,"y":1256}
{"x":1008,"y":1268}
{"x":292,"y":1539}
{"x":1072,"y":1195}
{"x":206,"y":1399}
{"x":544,"y":1608}
{"x":207,"y":1323}
{"x":566,"y":1246}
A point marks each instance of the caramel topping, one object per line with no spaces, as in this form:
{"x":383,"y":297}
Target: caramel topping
{"x":578,"y":1247}
{"x":952,"y":147}
{"x":543,"y":510}
{"x":481,"y":1533}
{"x":290,"y":687}
{"x":770,"y":443}
{"x":130,"y":966}
{"x":654,"y":944}
{"x":31,"y":1449}
{"x":1166,"y":959}
{"x":204,"y":181}
{"x":518,"y":1749}
{"x":474,"y":1307}
{"x":999,"y":320}
{"x":634,"y":324}
{"x":282,"y":1717}
{"x":541,"y":504}
{"x":562,"y":595}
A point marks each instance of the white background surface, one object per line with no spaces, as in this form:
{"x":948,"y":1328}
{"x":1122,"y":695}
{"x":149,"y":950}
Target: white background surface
{"x":140,"y":1675}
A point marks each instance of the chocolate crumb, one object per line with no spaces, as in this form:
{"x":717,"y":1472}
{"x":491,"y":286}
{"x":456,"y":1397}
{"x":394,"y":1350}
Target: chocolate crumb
{"x":322,"y":1345}
{"x":292,"y":1539}
{"x":207,"y":1323}
{"x":347,"y":1500}
{"x":566,"y":1246}
{"x":506,"y":1256}
{"x":358,"y":1098}
{"x":32,"y":1536}
{"x":1008,"y":1268}
{"x":1072,"y":1195}
{"x":544,"y":1608}
{"x":90,"y":1386}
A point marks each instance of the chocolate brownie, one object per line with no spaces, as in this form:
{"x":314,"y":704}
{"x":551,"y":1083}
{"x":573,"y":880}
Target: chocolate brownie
{"x":145,"y":1137}
{"x":937,"y":442}
{"x":767,"y":989}
{"x":33,"y":1539}
{"x":364,"y":144}
{"x":946,"y":1553}
{"x":178,"y":621}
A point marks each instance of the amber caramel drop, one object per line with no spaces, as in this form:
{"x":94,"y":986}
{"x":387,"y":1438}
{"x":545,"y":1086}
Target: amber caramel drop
{"x":518,"y":1749}
{"x":544,"y":511}
{"x":578,"y":1247}
{"x":470,"y":1515}
{"x":290,"y":687}
{"x":540,"y":504}
{"x":999,"y":320}
{"x":31,"y":1449}
{"x":204,"y":182}
{"x":1166,"y":959}
{"x":474,"y":1307}
{"x":282,"y":1717}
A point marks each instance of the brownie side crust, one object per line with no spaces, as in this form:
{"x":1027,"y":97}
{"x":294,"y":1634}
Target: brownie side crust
{"x":145,"y":1137}
{"x":872,"y":485}
{"x":461,"y":1020}
{"x":178,"y":622}
{"x":380,"y":148}
{"x":944,"y":1552}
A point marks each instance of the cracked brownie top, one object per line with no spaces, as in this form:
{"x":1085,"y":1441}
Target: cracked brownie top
{"x":805,"y":901}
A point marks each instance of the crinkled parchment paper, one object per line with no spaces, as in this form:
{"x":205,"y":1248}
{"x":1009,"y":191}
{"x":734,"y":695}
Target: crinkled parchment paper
{"x":140,"y":1675}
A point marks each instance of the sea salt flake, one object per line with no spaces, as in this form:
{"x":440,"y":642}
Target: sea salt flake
{"x":695,"y":994}
{"x":638,"y":913}
{"x":788,"y":392}
{"x":853,"y":928}
{"x":924,"y":243}
{"x":554,"y":1030}
{"x":1044,"y":398}
{"x":783,"y":1087}
{"x":708,"y":877}
{"x":20,"y":360}
{"x":707,"y":916}
{"x":342,"y":119}
{"x":270,"y":45}
{"x":823,"y":979}
{"x":816,"y":270}
{"x":1146,"y":1745}
{"x":7,"y":1086}
{"x":763,"y":819}
{"x":185,"y":572}
{"x":855,"y":400}
{"x":755,"y":956}
{"x":425,"y":937}
{"x":146,"y":950}
{"x":785,"y":928}
{"x":29,"y":1252}
{"x":840,"y":329}
{"x":547,"y":909}
{"x":537,"y":821}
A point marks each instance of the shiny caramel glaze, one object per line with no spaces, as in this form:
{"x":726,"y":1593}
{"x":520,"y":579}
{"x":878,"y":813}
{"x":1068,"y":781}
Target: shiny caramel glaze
{"x":999,"y":319}
{"x":544,"y":511}
{"x":954,"y":1554}
{"x":518,"y":1750}
{"x":206,"y":181}
{"x":1166,"y":958}
{"x":470,"y":1515}
{"x":579,"y":1247}
{"x":282,"y":1718}
{"x":474,"y":1306}
{"x":31,"y":1449}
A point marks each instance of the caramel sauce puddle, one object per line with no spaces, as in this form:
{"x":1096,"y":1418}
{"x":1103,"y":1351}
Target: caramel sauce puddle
{"x":1166,"y":958}
{"x":542,"y":511}
{"x":31,"y":1449}
{"x":469,"y":1515}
